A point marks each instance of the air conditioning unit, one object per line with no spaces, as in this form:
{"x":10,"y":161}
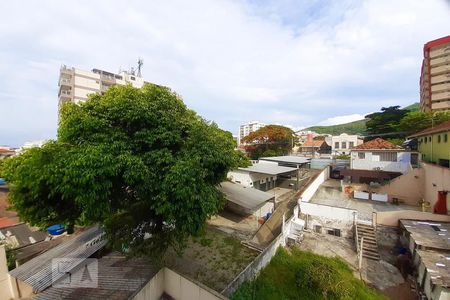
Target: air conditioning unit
{"x":377,"y":169}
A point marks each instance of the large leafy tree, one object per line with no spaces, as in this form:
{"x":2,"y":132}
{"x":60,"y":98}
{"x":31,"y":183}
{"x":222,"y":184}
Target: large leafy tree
{"x":386,"y":121}
{"x":417,"y":121}
{"x":271,"y":140}
{"x":135,"y":160}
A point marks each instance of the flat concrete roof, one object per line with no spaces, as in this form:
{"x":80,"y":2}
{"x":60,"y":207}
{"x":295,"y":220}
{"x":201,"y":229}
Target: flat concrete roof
{"x":248,"y":198}
{"x":271,"y":169}
{"x":438,"y":266}
{"x":435,"y":235}
{"x":287,"y":159}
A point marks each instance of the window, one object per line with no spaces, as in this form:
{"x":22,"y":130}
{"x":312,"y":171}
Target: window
{"x":445,"y":138}
{"x":429,"y":138}
{"x":336,"y":145}
{"x":361,"y":155}
{"x":439,"y":138}
{"x":426,"y":140}
{"x":351,"y":145}
{"x":334,"y":231}
{"x":344,"y":145}
{"x":317,"y":228}
{"x":388,"y":156}
{"x":132,"y":78}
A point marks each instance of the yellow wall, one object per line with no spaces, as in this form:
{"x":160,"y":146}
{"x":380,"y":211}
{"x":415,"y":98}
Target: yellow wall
{"x":433,"y":150}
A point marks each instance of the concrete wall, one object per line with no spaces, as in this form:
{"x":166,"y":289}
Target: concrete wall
{"x":408,"y":188}
{"x":312,"y":187}
{"x":391,"y":218}
{"x":437,"y":178}
{"x":247,"y":179}
{"x":328,"y":217}
{"x":8,"y":288}
{"x":176,"y":286}
{"x":372,"y":161}
{"x":344,"y":138}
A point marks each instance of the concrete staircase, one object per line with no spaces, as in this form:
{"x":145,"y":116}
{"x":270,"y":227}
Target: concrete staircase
{"x":370,"y":246}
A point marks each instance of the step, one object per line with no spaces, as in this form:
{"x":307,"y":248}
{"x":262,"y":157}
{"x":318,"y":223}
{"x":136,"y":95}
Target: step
{"x":367,"y":238}
{"x":364,"y":226}
{"x":371,"y":257}
{"x":366,"y":230}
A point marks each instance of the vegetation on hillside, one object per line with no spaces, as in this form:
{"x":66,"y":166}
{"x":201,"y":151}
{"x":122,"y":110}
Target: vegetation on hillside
{"x":138,"y":161}
{"x":356,"y":127}
{"x":270,"y":140}
{"x":305,"y":275}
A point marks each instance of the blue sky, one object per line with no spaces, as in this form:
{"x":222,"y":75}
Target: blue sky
{"x":289,"y":62}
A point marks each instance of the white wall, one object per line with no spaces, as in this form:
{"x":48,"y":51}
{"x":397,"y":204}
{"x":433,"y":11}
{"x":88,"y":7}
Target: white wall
{"x":437,"y":178}
{"x":312,"y":187}
{"x":246,"y":178}
{"x":344,"y":138}
{"x":329,"y":212}
{"x":372,"y":161}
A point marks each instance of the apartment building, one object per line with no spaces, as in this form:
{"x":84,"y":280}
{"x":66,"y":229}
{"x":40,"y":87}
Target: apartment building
{"x":435,"y":76}
{"x":75,"y":85}
{"x":246,"y":129}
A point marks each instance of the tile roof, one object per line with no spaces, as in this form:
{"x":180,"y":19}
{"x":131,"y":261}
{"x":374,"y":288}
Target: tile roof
{"x":313,"y":143}
{"x":439,"y":128}
{"x":118,"y":278}
{"x":377,"y":144}
{"x":20,"y":235}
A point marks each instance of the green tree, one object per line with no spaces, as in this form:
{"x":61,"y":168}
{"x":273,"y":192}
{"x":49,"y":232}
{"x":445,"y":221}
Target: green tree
{"x":270,"y":140}
{"x":386,"y":121}
{"x":136,"y":161}
{"x":416,"y":121}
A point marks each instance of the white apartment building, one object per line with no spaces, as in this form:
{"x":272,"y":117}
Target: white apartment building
{"x":341,"y":144}
{"x":246,"y":129}
{"x":75,"y":85}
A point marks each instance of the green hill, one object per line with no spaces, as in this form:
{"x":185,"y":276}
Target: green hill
{"x":355,"y":127}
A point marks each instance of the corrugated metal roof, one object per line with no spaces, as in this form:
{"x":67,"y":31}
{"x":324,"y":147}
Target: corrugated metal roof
{"x":287,"y":159}
{"x":248,"y":198}
{"x":118,"y":278}
{"x":38,"y":271}
{"x":265,"y":168}
{"x":22,"y":234}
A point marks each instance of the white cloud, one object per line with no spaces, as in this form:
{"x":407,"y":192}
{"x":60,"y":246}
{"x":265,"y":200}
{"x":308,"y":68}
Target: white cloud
{"x":341,"y":119}
{"x":294,"y":62}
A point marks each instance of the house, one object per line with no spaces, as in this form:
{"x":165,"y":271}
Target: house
{"x":246,"y":200}
{"x":264,"y":176}
{"x":6,"y":152}
{"x":312,"y":147}
{"x":434,"y":144}
{"x":341,"y":144}
{"x":381,"y":155}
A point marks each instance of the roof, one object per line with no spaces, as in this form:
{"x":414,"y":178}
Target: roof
{"x":271,"y":169}
{"x":313,"y":143}
{"x":287,"y":159}
{"x":432,"y":235}
{"x":20,"y":235}
{"x":38,"y":271}
{"x":437,"y":42}
{"x":248,"y":198}
{"x":436,"y":129}
{"x":118,"y":278}
{"x":378,"y":174}
{"x":377,"y":144}
{"x":438,"y":266}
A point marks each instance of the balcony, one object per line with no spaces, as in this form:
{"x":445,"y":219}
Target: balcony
{"x":65,"y":81}
{"x":65,"y":93}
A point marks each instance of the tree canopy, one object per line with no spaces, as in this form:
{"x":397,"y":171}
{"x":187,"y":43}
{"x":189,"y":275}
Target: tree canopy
{"x":416,"y":121}
{"x":137,"y":161}
{"x":270,"y":140}
{"x":386,"y":121}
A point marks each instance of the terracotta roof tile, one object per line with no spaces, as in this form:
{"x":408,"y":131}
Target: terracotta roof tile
{"x":313,"y":143}
{"x":439,"y":128}
{"x":378,"y":144}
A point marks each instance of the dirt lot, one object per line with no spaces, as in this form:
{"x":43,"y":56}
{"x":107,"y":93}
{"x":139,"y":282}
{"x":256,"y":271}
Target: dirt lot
{"x":379,"y":274}
{"x":214,"y":259}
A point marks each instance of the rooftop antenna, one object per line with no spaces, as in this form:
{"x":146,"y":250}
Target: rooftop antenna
{"x":140,"y":63}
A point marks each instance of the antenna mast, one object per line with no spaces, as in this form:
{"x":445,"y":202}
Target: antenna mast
{"x":140,"y":63}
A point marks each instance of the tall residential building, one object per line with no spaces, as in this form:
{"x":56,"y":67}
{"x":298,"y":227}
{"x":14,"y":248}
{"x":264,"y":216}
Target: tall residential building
{"x":75,"y":85}
{"x":246,"y":129}
{"x":435,"y":76}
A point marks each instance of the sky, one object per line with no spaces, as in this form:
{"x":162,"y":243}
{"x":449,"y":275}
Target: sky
{"x":297,"y":63}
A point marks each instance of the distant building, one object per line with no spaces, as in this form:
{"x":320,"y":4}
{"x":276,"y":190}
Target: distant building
{"x":381,"y":155}
{"x":6,"y":152}
{"x":313,"y":147}
{"x":246,"y":129}
{"x":75,"y":85}
{"x":435,"y":76}
{"x":341,"y":144}
{"x":434,"y":144}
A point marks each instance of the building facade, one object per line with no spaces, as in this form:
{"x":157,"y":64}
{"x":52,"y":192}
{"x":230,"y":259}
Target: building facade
{"x":246,"y":129}
{"x":435,"y":76}
{"x":341,"y":144}
{"x":434,"y":144}
{"x":381,"y":155}
{"x":75,"y":85}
